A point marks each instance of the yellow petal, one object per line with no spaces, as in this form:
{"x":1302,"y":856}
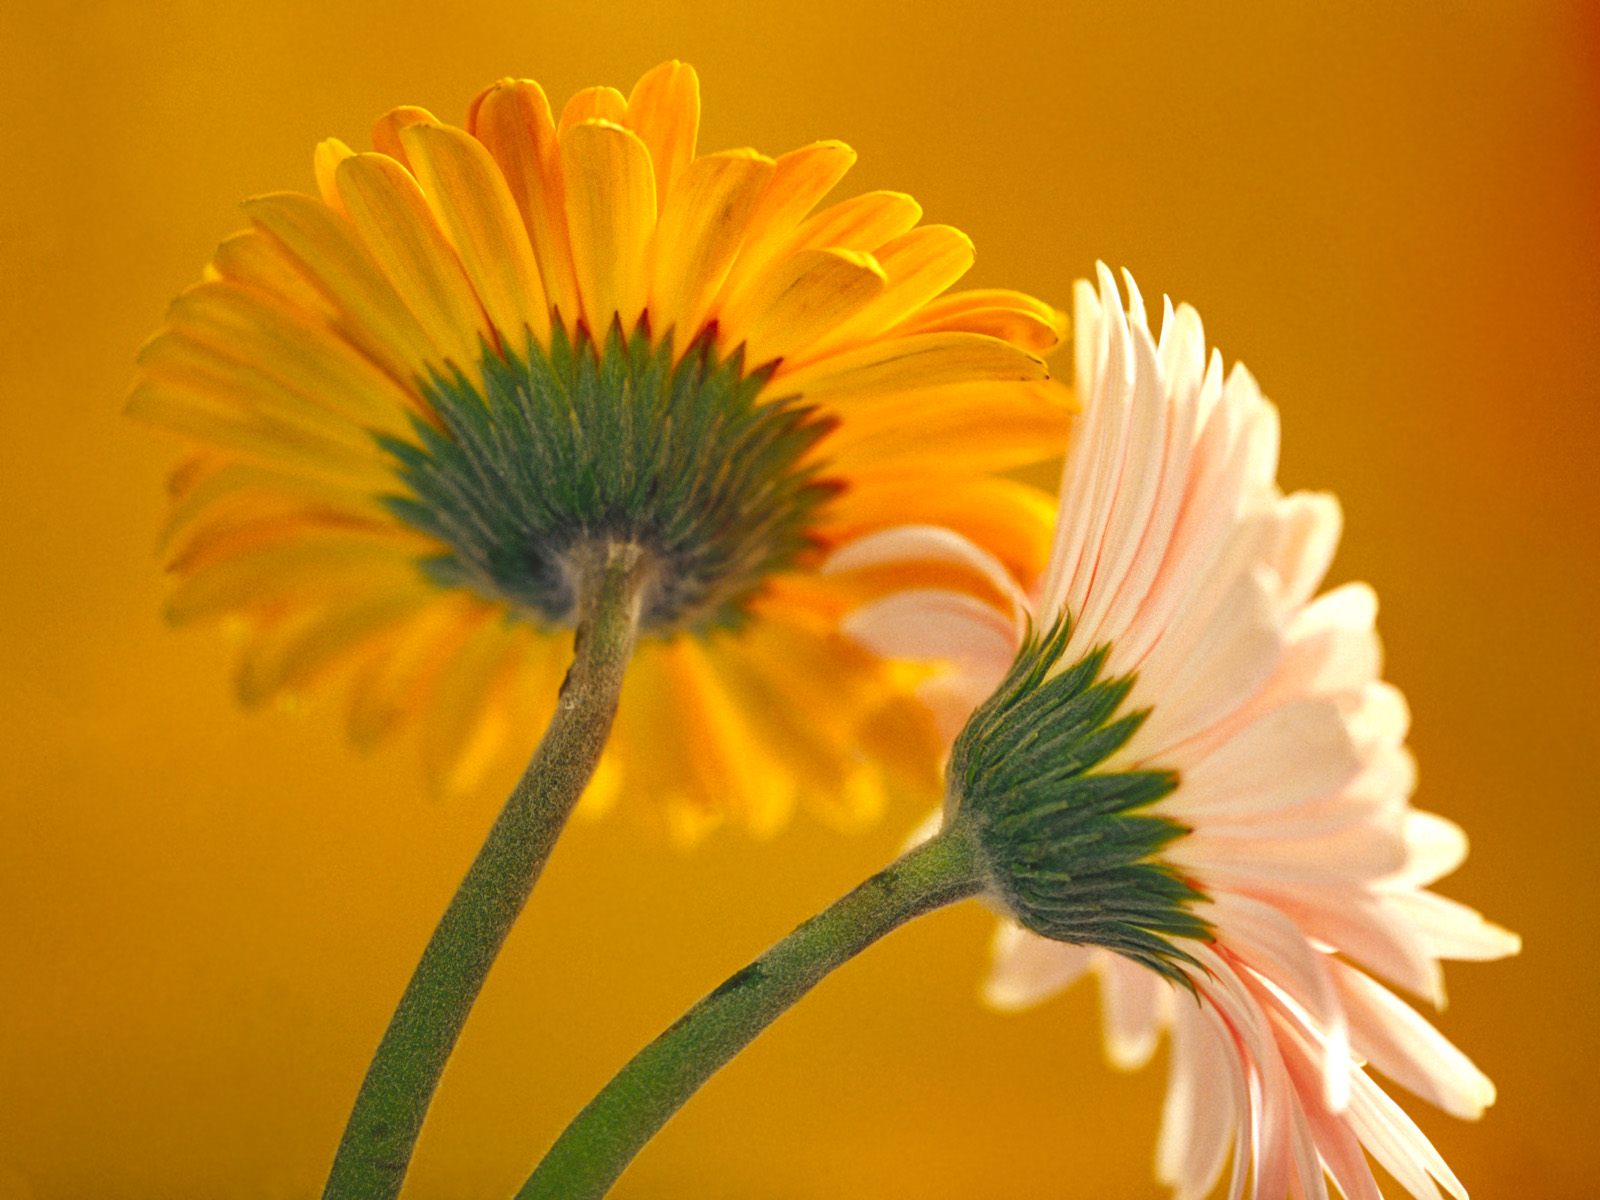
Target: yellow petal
{"x":965,"y":426}
{"x":470,"y":197}
{"x":861,"y":223}
{"x":776,"y":670}
{"x":388,"y":211}
{"x":212,"y":543}
{"x":905,"y":364}
{"x":611,"y":213}
{"x":195,"y":412}
{"x":605,"y":788}
{"x":303,"y":566}
{"x":1018,"y":318}
{"x":387,"y":131}
{"x":664,"y":110}
{"x":371,"y":314}
{"x":259,"y":261}
{"x":239,"y":492}
{"x":920,"y":265}
{"x":660,"y":768}
{"x":467,"y":725}
{"x":297,"y":652}
{"x":702,"y":226}
{"x":799,"y":179}
{"x":330,"y":152}
{"x":806,"y":297}
{"x":594,"y":104}
{"x":173,"y":360}
{"x":731,"y":767}
{"x":249,"y":337}
{"x":1010,"y":520}
{"x":393,"y":688}
{"x":512,"y":118}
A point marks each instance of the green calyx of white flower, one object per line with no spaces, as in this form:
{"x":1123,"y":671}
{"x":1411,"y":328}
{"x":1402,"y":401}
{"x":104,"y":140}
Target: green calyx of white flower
{"x":1070,"y":849}
{"x":564,"y":448}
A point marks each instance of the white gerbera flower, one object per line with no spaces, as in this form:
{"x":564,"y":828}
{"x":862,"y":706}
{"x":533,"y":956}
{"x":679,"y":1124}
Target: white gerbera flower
{"x":1193,"y":774}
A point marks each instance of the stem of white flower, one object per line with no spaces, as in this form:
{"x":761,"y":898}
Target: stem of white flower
{"x":606,"y":1136}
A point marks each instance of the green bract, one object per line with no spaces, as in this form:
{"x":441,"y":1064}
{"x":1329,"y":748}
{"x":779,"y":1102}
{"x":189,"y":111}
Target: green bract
{"x":576,"y":445}
{"x":1067,"y":847}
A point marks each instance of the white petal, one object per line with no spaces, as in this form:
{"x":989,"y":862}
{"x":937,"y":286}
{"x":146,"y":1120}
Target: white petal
{"x":1435,"y":847}
{"x":1029,"y":969}
{"x":1271,"y":945}
{"x":908,"y":545}
{"x":1366,"y":930}
{"x":1447,"y":929}
{"x":1309,"y":526}
{"x":1394,"y":1140}
{"x":1197,"y":1123}
{"x":1294,"y":754}
{"x":934,"y":624}
{"x":1396,"y":1040}
{"x":1208,"y":667}
{"x":1133,"y":999}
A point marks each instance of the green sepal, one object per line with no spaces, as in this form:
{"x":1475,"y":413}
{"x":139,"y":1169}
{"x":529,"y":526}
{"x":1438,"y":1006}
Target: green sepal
{"x":1071,"y":847}
{"x":573,"y":443}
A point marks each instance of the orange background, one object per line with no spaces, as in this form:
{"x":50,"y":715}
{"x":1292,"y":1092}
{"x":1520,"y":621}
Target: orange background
{"x":1389,"y":213}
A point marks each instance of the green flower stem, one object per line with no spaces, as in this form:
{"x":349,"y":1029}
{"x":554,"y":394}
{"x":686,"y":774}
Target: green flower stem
{"x":604,"y":1138}
{"x":383,"y":1127}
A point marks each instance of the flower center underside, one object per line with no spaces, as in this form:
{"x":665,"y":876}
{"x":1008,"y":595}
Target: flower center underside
{"x":566,"y":447}
{"x":1072,"y":844}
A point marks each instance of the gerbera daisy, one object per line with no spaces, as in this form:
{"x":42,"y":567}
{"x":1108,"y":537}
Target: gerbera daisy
{"x":542,"y":392}
{"x":1193,"y":775}
{"x":416,"y":396}
{"x":1176,"y":764}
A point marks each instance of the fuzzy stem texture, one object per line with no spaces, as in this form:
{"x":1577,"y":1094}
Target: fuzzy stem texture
{"x":606,"y":1136}
{"x":387,"y":1118}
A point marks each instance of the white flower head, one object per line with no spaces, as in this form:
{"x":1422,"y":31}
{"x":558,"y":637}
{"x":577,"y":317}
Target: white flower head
{"x":1259,"y":847}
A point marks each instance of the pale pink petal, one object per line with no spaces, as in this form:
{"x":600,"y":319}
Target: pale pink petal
{"x":1299,"y":752}
{"x":1355,"y":922}
{"x":1132,"y":506}
{"x":1198,"y":1124}
{"x":1270,"y":855}
{"x":1337,"y":1146}
{"x":1331,"y":644}
{"x":1394,"y":1140}
{"x":1268,"y":942}
{"x":1177,"y":551}
{"x":907,"y":545}
{"x":1029,"y":969}
{"x":1196,"y":681}
{"x":1435,"y":847}
{"x":1134,"y":1001}
{"x":1446,"y":929}
{"x":1308,"y":534}
{"x":934,"y":624}
{"x":950,"y":696}
{"x":1394,"y":1038}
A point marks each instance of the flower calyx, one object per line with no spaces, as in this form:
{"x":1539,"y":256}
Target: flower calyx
{"x":1070,"y":844}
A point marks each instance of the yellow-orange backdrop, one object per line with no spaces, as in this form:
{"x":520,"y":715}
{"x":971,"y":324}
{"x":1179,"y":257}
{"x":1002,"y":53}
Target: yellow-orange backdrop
{"x":205,"y":916}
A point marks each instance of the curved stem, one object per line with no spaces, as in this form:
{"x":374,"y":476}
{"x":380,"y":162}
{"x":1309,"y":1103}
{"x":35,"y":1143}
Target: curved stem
{"x":604,"y":1138}
{"x":384,"y":1125}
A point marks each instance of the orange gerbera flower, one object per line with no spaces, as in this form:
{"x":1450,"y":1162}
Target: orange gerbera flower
{"x":412,"y":394}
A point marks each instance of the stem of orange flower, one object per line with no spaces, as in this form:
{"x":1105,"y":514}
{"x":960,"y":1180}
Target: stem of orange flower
{"x":384,"y":1125}
{"x":606,"y":1136}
